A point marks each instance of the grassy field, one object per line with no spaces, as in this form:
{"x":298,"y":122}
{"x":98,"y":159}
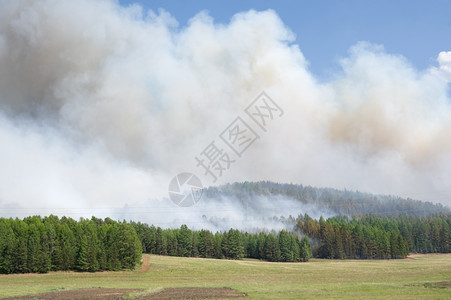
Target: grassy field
{"x":412,"y":278}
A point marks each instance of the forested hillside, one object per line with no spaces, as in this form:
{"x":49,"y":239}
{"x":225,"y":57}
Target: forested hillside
{"x":339,"y":202}
{"x":39,"y":245}
{"x":365,"y":226}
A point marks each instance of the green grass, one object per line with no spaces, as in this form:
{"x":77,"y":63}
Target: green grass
{"x":397,"y":279}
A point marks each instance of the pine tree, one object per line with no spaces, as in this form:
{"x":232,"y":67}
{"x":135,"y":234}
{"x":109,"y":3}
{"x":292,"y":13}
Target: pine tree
{"x":66,"y":258}
{"x":296,"y":246}
{"x":272,"y":251}
{"x":261,"y":242}
{"x":7,"y":242}
{"x":101,"y":254}
{"x":338,"y":245}
{"x":403,"y":248}
{"x":195,"y":251}
{"x":130,"y":249}
{"x":82,"y":255}
{"x":184,"y":241}
{"x":113,"y":261}
{"x":218,"y":245}
{"x":252,"y":248}
{"x":286,"y":252}
{"x":206,"y":247}
{"x":90,"y":232}
{"x":33,"y":249}
{"x":225,"y":245}
{"x":172,"y":243}
{"x":235,"y":244}
{"x":151,"y":242}
{"x":45,"y":260}
{"x":20,"y":249}
{"x":160,"y":245}
{"x":306,"y":250}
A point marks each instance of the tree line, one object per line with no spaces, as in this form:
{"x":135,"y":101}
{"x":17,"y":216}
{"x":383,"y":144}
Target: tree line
{"x":339,"y":202}
{"x":39,"y":245}
{"x":371,"y":237}
{"x":283,"y":246}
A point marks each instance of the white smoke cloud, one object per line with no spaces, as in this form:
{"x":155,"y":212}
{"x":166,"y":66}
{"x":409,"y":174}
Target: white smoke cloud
{"x":444,"y":68}
{"x":101,"y":105}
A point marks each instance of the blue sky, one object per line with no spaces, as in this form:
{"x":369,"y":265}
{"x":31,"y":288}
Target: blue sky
{"x":326,"y":29}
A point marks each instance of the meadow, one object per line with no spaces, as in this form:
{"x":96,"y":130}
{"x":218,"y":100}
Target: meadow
{"x":417,"y":277}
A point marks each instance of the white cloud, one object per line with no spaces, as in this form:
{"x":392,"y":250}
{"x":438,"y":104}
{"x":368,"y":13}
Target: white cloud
{"x":444,"y":68}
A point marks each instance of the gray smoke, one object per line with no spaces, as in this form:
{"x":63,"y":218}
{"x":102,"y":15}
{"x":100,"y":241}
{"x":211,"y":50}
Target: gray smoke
{"x":101,"y":105}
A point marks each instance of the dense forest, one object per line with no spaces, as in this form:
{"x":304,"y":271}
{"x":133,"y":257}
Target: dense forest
{"x":282,"y":246}
{"x":39,"y":245}
{"x":337,"y":202}
{"x":368,"y":237}
{"x":377,"y":237}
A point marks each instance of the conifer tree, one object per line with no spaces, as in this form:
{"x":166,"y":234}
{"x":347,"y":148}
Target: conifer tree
{"x":306,"y":250}
{"x":82,"y":255}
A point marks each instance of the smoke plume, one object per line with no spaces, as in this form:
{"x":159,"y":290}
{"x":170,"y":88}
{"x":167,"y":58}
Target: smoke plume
{"x":101,"y":105}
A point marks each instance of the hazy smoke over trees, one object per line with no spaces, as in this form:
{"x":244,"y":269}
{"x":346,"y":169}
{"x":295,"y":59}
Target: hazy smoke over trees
{"x":101,"y":105}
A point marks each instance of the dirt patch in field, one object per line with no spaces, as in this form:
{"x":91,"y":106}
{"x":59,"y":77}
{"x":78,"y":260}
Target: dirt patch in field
{"x":145,"y":264}
{"x":442,"y":284}
{"x":94,"y":293}
{"x":115,"y":294}
{"x":194,"y":293}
